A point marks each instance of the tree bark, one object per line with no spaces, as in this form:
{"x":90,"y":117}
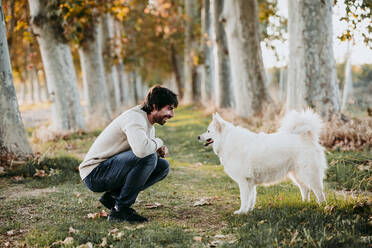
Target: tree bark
{"x":35,"y":84}
{"x":67,"y":113}
{"x":128,"y":87}
{"x":13,"y":137}
{"x":311,"y":71}
{"x":283,"y":84}
{"x":190,"y":53}
{"x":207,"y":72}
{"x":176,"y":71}
{"x":222,"y":73}
{"x":247,"y":69}
{"x":348,"y":84}
{"x":111,"y":74}
{"x":97,"y":104}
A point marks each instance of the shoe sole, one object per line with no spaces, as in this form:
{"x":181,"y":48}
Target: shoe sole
{"x":113,"y":219}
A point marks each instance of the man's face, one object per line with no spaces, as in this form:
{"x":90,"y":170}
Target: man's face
{"x":162,"y":115}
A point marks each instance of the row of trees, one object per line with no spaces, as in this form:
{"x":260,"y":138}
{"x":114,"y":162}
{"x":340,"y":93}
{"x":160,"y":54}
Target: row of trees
{"x":211,"y":50}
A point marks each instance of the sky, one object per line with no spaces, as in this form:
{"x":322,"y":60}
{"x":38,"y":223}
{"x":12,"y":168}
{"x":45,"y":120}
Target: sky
{"x":361,"y":54}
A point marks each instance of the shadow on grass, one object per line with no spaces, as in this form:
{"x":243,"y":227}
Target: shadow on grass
{"x":300,"y":226}
{"x":55,"y":171}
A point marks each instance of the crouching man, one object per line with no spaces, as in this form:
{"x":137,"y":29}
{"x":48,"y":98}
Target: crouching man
{"x":127,"y":158}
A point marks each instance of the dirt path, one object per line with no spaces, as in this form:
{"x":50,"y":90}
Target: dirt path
{"x":36,"y":117}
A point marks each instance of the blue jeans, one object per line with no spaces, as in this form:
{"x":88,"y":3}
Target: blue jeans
{"x":125,"y":175}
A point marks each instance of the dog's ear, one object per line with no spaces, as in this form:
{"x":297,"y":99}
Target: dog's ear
{"x":219,"y":124}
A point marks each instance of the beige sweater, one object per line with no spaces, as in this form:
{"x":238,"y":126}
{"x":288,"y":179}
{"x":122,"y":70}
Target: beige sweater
{"x":130,"y":130}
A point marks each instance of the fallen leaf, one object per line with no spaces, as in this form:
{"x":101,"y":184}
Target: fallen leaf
{"x":104,"y":242}
{"x":201,"y":202}
{"x":87,"y":245}
{"x":72,"y":230}
{"x":112,"y":231}
{"x":140,"y":226}
{"x":261,"y":222}
{"x":103,"y":213}
{"x":198,"y":238}
{"x":11,"y":233}
{"x":154,"y":205}
{"x":219,"y":236}
{"x":93,"y":216}
{"x":118,"y":235}
{"x":40,"y":173}
{"x":68,"y":241}
{"x":17,"y":178}
{"x":2,"y":170}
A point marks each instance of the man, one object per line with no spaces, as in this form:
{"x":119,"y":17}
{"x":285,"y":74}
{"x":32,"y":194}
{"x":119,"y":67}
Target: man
{"x":126,"y":158}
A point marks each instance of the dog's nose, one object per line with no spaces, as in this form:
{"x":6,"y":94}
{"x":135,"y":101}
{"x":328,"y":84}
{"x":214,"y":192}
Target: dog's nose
{"x":198,"y":137}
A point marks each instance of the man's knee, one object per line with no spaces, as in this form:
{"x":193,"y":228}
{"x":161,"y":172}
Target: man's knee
{"x":149,"y":160}
{"x":164,"y":166}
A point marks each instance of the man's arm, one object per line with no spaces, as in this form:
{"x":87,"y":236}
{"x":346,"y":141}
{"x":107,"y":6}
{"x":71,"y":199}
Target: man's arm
{"x":142,"y":145}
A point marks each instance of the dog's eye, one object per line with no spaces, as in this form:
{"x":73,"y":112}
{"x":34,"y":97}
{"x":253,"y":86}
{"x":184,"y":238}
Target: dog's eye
{"x":208,"y":131}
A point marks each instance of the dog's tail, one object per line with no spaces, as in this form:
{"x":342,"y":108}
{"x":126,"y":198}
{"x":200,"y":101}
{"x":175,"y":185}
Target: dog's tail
{"x":305,"y":123}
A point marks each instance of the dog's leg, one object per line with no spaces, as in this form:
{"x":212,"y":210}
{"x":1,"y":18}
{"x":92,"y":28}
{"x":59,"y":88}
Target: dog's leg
{"x":253,"y":198}
{"x":245,"y":199}
{"x":305,"y":191}
{"x":247,"y":196}
{"x":318,"y":191}
{"x":313,"y":181}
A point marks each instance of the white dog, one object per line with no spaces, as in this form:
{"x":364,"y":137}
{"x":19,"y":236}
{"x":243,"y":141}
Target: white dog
{"x":252,"y":159}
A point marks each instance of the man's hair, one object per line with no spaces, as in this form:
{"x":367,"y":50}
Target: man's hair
{"x":160,"y":97}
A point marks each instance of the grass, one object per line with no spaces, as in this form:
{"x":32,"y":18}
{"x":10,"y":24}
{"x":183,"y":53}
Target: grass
{"x":52,"y":211}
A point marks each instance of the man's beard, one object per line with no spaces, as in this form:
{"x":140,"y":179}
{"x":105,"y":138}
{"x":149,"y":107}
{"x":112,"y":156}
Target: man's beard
{"x":162,"y":119}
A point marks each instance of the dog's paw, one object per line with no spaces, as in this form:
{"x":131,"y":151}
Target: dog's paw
{"x":239,"y":212}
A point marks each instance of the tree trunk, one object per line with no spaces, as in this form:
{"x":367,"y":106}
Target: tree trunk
{"x":176,"y":71}
{"x":348,"y":84}
{"x":190,"y":53}
{"x":35,"y":84}
{"x":67,"y":113}
{"x":243,"y":39}
{"x":13,"y":137}
{"x":112,"y":78}
{"x":129,"y":93}
{"x":96,"y":97}
{"x":207,"y":72}
{"x":311,"y":70}
{"x":283,"y":84}
{"x":139,"y":87}
{"x":222,"y":85}
{"x":121,"y":72}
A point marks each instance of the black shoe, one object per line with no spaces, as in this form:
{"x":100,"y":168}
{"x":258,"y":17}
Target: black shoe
{"x":107,"y":200}
{"x":126,"y":214}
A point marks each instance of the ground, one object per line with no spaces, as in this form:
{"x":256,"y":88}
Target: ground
{"x":192,"y":207}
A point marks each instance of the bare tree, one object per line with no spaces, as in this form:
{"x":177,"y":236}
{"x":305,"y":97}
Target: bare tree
{"x":67,"y":113}
{"x":206,"y":46}
{"x":91,"y":60}
{"x":13,"y":137}
{"x":111,"y":73}
{"x":222,"y":73}
{"x":311,"y":69}
{"x":240,"y":18}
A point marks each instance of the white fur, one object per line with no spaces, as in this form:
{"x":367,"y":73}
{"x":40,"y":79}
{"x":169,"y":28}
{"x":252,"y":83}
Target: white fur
{"x":252,"y":159}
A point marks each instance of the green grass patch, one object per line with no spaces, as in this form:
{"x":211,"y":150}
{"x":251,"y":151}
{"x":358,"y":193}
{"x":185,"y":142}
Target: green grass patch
{"x":52,"y":211}
{"x":350,"y":171}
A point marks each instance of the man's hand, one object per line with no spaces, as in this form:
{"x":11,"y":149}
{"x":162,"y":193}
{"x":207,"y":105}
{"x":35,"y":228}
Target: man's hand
{"x":162,"y":152}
